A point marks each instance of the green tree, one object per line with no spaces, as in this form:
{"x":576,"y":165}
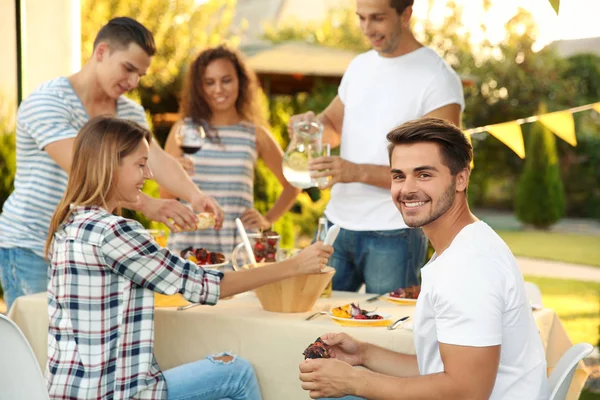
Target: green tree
{"x":540,"y":199}
{"x":579,"y":164}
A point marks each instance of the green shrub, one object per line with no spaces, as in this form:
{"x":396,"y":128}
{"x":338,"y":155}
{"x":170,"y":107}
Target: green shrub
{"x":581,"y":175}
{"x":7,"y":160}
{"x":540,"y":199}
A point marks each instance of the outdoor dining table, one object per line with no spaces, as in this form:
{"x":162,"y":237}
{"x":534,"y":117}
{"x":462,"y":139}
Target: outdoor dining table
{"x":272,"y":342}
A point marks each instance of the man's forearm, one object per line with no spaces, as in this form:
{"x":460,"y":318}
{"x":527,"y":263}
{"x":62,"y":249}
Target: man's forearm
{"x":138,"y":205}
{"x":389,"y":362}
{"x":374,"y":175}
{"x":375,"y":386}
{"x":331,"y":134}
{"x":169,"y":174}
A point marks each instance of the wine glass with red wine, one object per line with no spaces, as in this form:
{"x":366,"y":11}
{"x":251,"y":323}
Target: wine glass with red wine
{"x":190,"y":136}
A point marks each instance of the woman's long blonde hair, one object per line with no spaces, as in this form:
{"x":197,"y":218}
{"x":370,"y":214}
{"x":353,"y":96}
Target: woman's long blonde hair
{"x":98,"y":150}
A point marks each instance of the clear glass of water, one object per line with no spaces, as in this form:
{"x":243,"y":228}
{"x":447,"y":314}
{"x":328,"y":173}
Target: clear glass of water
{"x":325,"y":151}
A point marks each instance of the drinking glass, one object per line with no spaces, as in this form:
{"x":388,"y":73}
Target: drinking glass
{"x":190,"y":136}
{"x":324,"y":151}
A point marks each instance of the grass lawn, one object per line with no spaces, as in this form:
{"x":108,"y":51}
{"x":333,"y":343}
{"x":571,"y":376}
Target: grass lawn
{"x":577,"y":304}
{"x":585,"y":395}
{"x":570,"y":248}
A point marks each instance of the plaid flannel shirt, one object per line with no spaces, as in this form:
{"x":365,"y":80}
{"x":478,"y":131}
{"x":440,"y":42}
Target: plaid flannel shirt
{"x":104,"y":270}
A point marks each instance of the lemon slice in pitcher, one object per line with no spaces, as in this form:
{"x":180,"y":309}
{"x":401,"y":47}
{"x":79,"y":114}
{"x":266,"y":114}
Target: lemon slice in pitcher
{"x":298,"y":161}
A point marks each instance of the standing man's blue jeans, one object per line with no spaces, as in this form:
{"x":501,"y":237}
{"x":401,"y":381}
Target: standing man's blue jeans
{"x":22,"y":272}
{"x":211,"y":379}
{"x":383,"y":260}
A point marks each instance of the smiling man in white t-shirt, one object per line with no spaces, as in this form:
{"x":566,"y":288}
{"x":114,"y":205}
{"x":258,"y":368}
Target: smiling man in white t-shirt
{"x":397,"y":81}
{"x":474,"y":332}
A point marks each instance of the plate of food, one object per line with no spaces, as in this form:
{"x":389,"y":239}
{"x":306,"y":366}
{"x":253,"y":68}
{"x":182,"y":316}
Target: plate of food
{"x":352,"y":315}
{"x":404,"y":296}
{"x":204,"y":258}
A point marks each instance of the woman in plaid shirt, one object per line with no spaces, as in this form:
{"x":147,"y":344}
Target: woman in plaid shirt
{"x":104,"y":270}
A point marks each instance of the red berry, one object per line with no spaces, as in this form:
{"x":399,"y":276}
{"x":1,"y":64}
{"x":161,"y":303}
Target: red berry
{"x":202,"y":254}
{"x":272,"y":242}
{"x":259,"y":246}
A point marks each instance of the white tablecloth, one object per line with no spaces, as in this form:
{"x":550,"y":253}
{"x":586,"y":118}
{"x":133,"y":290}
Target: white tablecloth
{"x":272,"y":342}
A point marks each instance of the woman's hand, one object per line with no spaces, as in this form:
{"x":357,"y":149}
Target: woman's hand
{"x":252,"y":219}
{"x":202,"y":203}
{"x":312,"y":259}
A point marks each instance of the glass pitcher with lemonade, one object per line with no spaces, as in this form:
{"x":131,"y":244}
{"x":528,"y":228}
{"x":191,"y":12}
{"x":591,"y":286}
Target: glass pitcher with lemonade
{"x":305,"y":144}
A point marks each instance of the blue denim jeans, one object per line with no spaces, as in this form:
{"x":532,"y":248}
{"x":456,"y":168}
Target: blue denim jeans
{"x":383,"y":260}
{"x":22,"y":272}
{"x":211,"y":379}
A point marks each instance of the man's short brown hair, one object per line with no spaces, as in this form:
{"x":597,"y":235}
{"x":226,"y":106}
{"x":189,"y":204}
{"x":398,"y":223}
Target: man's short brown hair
{"x":401,"y":5}
{"x":455,"y":148}
{"x":121,"y":31}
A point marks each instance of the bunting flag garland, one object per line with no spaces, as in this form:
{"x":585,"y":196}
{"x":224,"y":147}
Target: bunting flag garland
{"x":510,"y":134}
{"x":561,"y":123}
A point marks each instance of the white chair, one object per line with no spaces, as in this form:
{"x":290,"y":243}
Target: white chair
{"x":562,"y":375}
{"x":20,"y":374}
{"x":534,"y":295}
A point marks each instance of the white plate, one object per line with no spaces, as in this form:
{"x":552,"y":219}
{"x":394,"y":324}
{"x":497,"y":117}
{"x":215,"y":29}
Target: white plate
{"x":400,"y":300}
{"x":214,"y":266}
{"x":361,"y":321}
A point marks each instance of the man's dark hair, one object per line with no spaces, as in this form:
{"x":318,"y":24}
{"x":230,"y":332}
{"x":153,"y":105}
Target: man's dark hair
{"x":121,"y":31}
{"x":401,"y":5}
{"x":455,"y":148}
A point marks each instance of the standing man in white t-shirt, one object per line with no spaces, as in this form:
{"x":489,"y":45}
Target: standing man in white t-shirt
{"x":399,"y":80}
{"x":474,"y":332}
{"x":48,"y":121}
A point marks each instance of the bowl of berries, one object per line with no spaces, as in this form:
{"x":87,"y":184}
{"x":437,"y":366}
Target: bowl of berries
{"x":265,"y":246}
{"x":204,"y":258}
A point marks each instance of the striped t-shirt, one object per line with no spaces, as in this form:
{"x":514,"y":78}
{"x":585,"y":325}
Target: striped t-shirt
{"x":224,"y":170}
{"x":51,"y":113}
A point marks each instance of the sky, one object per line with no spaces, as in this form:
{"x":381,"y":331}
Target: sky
{"x":576,"y":18}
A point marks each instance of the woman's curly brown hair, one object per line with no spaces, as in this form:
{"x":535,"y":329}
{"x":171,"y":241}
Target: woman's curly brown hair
{"x":194,"y":105}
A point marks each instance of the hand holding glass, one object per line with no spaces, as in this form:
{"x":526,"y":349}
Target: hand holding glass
{"x":324,"y":151}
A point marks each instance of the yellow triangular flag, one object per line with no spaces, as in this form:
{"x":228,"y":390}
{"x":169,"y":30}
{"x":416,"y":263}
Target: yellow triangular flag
{"x":561,"y":124}
{"x":596,"y":107}
{"x":510,"y":134}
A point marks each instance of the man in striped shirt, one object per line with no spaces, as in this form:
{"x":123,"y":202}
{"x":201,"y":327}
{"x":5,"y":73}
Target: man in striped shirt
{"x":48,"y":122}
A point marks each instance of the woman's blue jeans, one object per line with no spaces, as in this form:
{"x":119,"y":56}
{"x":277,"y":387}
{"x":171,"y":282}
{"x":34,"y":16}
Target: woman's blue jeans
{"x":211,"y":379}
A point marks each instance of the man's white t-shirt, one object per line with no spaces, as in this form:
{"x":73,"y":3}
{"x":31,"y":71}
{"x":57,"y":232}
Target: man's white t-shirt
{"x":379,"y":94}
{"x":473,"y":295}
